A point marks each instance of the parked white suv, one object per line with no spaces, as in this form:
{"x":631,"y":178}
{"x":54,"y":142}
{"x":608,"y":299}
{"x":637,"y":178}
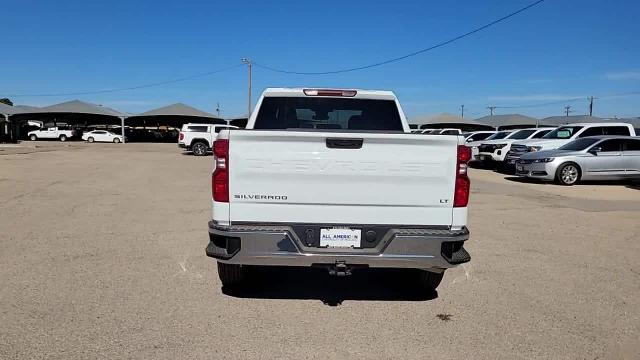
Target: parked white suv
{"x":474,"y":145}
{"x":496,"y":150}
{"x":325,"y":177}
{"x":51,"y":133}
{"x":565,"y":134}
{"x":199,"y":138}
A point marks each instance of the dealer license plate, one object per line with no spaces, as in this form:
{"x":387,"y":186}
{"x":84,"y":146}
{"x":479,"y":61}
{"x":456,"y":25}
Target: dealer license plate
{"x":337,"y":237}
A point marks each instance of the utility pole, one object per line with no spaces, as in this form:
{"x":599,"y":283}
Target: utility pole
{"x":591,"y":106}
{"x":462,"y":110}
{"x":567,"y":110}
{"x":249,"y":63}
{"x":491,"y":108}
{"x":218,"y":108}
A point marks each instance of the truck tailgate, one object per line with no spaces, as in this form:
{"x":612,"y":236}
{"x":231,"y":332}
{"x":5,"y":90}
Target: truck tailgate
{"x":326,"y":178}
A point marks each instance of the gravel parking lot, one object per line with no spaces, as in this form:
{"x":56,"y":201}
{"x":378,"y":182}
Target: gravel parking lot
{"x":102,"y":256}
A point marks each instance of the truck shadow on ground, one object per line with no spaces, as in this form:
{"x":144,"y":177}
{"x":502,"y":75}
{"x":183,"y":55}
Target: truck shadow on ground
{"x":629,"y":184}
{"x":524,"y":180}
{"x":316,"y":284}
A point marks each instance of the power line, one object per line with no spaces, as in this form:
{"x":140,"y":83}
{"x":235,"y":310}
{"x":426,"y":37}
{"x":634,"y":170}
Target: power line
{"x":441,"y":44}
{"x":568,"y":100}
{"x":93,"y":92}
{"x":541,"y":104}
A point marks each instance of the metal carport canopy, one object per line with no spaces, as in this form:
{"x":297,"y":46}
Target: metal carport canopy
{"x":448,"y":120}
{"x":79,"y":107}
{"x":175,"y":115}
{"x":633,"y":121}
{"x":508,"y":121}
{"x":73,"y":109}
{"x":563,"y":120}
{"x":8,"y":110}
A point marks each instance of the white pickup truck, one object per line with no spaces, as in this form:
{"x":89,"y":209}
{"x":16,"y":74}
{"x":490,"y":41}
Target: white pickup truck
{"x":199,"y":138}
{"x":51,"y":133}
{"x":334,"y":178}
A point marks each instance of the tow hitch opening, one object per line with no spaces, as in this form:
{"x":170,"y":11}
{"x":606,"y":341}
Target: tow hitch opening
{"x":340,"y":268}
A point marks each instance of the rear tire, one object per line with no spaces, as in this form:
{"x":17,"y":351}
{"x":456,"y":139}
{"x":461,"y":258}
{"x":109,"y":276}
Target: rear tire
{"x":199,"y":149}
{"x":428,"y":280}
{"x":116,"y":141}
{"x":63,"y":138}
{"x":33,"y":137}
{"x":90,"y":139}
{"x":568,"y":174}
{"x":231,"y":275}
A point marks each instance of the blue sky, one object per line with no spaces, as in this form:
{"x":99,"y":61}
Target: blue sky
{"x":554,"y":51}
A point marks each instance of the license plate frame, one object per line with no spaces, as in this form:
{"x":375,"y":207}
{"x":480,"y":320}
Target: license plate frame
{"x":343,"y":238}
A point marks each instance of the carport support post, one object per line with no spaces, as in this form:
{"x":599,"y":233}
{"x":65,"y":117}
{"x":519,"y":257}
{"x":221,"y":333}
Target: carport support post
{"x":124,"y":140}
{"x":7,"y":126}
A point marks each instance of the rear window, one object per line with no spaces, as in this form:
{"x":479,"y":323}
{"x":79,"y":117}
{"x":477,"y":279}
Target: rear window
{"x":579,"y":144}
{"x":616,"y":130}
{"x":563,"y":132}
{"x":540,"y":134}
{"x":450,"y":132}
{"x":632,"y":145}
{"x":521,"y":134}
{"x":197,"y":128}
{"x":328,"y":113}
{"x":606,"y":130}
{"x":499,"y":135}
{"x":480,"y":136}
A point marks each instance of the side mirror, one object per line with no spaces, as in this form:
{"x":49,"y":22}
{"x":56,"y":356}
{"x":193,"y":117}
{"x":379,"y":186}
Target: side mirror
{"x":595,"y":150}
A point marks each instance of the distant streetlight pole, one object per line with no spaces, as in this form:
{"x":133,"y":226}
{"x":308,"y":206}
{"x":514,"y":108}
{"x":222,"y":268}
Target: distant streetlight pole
{"x":567,"y":110}
{"x":491,"y":108}
{"x":462,"y":111}
{"x":249,"y":64}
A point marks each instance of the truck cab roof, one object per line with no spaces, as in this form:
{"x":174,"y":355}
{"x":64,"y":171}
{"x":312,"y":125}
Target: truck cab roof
{"x":324,"y":92}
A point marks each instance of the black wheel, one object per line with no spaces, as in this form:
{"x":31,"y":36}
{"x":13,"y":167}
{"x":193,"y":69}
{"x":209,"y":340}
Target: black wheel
{"x":199,"y":149}
{"x":90,"y":139}
{"x":63,"y":138}
{"x":33,"y":137}
{"x":428,"y":280}
{"x":568,"y":174}
{"x":230,"y":274}
{"x":116,"y":140}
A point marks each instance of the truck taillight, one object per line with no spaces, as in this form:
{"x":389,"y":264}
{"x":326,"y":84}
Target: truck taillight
{"x":463,"y":184}
{"x":220,"y":176}
{"x":181,"y":136}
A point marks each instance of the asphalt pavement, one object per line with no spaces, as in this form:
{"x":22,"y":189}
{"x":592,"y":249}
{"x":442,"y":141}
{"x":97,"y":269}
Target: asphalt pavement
{"x":102,"y":256}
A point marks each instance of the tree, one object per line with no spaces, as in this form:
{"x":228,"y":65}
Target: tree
{"x":6,"y":101}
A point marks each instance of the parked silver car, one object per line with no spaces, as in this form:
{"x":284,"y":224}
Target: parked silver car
{"x":589,"y":158}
